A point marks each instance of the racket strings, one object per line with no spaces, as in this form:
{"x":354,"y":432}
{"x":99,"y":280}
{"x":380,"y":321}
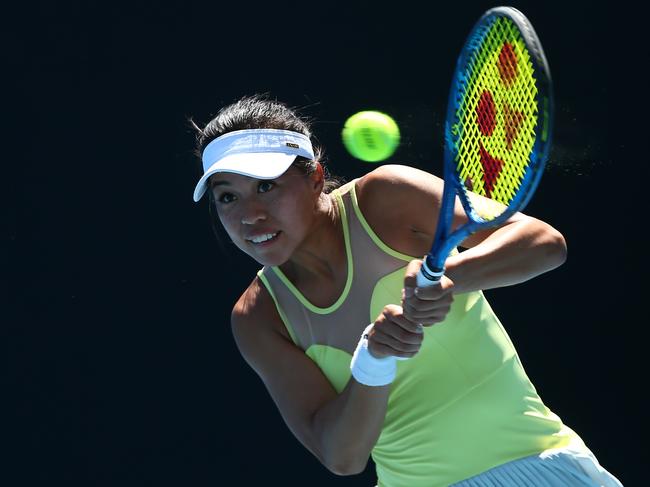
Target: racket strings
{"x":496,"y":115}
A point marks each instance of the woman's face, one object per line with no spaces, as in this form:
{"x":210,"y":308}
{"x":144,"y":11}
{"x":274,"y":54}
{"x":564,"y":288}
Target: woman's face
{"x":266,"y":218}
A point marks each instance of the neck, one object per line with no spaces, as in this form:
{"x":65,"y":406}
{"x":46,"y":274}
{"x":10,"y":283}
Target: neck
{"x":321,"y":254}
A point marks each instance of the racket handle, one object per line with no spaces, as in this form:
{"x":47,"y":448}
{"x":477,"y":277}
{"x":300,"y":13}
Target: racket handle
{"x":428,"y":277}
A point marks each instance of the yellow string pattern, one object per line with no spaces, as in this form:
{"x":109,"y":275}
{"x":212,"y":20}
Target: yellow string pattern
{"x":496,"y":120}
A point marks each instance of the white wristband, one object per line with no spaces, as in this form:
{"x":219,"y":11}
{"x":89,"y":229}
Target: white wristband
{"x":369,"y":370}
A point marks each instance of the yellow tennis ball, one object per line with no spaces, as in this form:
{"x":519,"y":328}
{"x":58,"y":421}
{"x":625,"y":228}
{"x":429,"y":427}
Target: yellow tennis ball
{"x":370,"y":136}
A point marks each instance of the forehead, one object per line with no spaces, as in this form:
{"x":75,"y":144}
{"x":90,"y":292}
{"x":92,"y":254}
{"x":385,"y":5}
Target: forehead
{"x":229,"y":179}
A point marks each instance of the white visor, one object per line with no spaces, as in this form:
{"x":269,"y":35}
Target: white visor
{"x":258,"y":153}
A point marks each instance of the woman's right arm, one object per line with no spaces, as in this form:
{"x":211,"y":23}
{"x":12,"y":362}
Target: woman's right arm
{"x":339,"y":429}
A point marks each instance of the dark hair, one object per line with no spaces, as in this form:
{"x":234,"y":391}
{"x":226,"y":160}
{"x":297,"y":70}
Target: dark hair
{"x":255,"y":112}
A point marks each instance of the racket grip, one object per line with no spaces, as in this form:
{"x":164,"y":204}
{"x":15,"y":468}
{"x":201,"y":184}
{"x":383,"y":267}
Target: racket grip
{"x":428,"y":277}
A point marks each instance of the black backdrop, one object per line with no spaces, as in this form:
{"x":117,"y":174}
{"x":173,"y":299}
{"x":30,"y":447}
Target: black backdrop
{"x":120,"y":365}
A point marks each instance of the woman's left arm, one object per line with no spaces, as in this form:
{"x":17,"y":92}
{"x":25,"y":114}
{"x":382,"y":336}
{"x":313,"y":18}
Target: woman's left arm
{"x":521,"y":249}
{"x":518,"y":250}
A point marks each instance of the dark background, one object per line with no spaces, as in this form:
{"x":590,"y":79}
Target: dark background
{"x":118,"y":361}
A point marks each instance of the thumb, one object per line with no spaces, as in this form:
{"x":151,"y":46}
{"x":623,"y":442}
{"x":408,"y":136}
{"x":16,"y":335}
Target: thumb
{"x":410,"y":277}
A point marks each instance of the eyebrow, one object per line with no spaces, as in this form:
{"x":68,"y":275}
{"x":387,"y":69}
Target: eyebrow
{"x":219,"y":183}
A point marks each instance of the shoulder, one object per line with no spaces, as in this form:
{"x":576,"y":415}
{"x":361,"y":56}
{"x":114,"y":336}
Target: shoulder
{"x":399,"y":175}
{"x":407,"y":185}
{"x":399,"y":193}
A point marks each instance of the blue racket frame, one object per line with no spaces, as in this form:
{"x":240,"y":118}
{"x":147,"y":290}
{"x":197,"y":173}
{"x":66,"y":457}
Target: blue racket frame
{"x":445,"y":239}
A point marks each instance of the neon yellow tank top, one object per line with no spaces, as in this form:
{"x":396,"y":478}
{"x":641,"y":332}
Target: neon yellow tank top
{"x":462,"y":405}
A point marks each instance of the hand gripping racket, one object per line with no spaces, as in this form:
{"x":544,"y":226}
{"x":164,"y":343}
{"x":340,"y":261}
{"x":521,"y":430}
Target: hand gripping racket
{"x":497,"y":131}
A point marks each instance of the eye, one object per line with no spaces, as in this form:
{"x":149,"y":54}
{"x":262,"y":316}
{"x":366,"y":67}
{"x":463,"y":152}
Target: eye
{"x":225,"y":198}
{"x":265,"y":186}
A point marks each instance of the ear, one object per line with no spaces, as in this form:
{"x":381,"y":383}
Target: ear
{"x":318,"y":178}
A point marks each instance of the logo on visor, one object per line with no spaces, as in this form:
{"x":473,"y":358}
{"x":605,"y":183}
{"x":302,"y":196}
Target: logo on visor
{"x":295,"y":146}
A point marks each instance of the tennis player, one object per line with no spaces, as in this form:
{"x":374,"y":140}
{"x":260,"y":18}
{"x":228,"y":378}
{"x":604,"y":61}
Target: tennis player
{"x":358,"y":360}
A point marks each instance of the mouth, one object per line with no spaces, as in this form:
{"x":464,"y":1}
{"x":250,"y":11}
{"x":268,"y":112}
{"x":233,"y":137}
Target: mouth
{"x":264,"y":240}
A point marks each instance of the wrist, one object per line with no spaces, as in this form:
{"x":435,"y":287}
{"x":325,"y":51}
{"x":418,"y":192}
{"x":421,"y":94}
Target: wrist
{"x":368,"y":369}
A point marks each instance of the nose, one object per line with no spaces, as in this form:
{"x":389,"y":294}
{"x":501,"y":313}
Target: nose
{"x":252,"y":214}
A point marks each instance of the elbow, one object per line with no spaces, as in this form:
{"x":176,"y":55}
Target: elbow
{"x":344,"y":469}
{"x":345,"y":465}
{"x":342,"y":454}
{"x":555,"y":248}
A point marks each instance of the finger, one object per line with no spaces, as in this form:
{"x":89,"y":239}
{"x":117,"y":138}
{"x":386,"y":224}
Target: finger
{"x":432,"y":319}
{"x":418,"y":316}
{"x":399,"y":334}
{"x":411,"y":306}
{"x":380,"y":350}
{"x":410,"y":276}
{"x":444,"y":287}
{"x":428,"y":317}
{"x":395,"y":314}
{"x":393,"y":323}
{"x":414,"y":306}
{"x":397,"y":344}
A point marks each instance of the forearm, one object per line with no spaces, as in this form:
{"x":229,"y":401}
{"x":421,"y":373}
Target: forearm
{"x":348,"y":427}
{"x":512,"y":254}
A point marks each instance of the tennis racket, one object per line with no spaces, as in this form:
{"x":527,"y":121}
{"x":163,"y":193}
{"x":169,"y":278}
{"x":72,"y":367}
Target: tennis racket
{"x":497,"y":131}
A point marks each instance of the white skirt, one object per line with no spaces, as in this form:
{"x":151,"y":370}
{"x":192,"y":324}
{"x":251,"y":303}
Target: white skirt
{"x":562,"y":467}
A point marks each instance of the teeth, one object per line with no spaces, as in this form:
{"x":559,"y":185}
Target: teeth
{"x":263,"y":238}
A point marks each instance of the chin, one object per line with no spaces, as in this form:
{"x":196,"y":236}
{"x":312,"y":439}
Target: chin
{"x":274,"y":261}
{"x":274,"y":256}
{"x":268,"y":260}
